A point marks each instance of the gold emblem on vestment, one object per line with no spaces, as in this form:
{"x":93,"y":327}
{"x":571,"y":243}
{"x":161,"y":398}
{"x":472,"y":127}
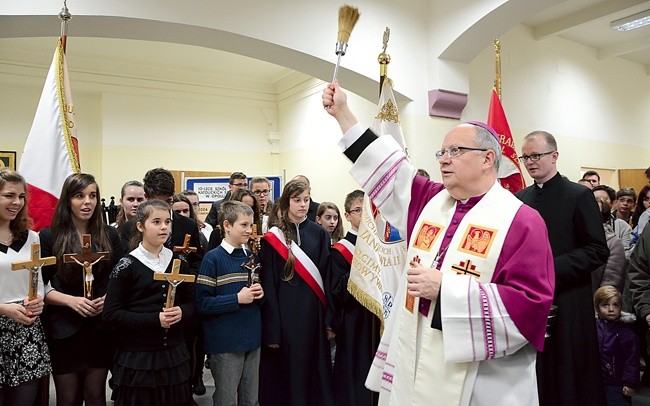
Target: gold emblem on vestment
{"x":427,"y":235}
{"x":477,"y":240}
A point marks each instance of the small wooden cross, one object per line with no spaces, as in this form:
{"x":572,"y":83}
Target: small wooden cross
{"x":174,"y":279}
{"x":33,"y":266}
{"x":256,"y":238}
{"x":185,"y":249}
{"x":250,"y":268}
{"x":86,"y":258}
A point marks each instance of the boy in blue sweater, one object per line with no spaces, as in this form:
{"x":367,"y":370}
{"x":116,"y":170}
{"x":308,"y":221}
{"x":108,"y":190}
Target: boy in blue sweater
{"x":228,"y":297}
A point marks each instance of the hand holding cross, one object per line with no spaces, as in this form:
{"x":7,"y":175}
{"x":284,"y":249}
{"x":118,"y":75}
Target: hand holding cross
{"x":250,"y":268}
{"x":174,"y":279}
{"x":33,"y":266}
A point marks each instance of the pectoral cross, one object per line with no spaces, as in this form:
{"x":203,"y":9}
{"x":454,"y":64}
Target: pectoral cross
{"x":256,"y":238}
{"x":173,"y":279}
{"x":185,"y":249}
{"x":87,"y":258}
{"x":33,"y":266}
{"x":250,"y":268}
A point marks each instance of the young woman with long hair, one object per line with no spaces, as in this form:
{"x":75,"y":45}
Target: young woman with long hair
{"x":294,"y":257}
{"x":24,"y":356}
{"x":81,"y":348}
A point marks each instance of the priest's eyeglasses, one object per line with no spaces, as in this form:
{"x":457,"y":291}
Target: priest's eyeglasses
{"x":453,"y":152}
{"x":533,"y":157}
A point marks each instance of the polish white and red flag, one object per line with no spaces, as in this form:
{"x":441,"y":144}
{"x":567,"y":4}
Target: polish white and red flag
{"x":51,"y":151}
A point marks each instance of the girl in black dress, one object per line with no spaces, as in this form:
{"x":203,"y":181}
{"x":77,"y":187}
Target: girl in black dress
{"x":81,"y":348}
{"x":152,"y":363}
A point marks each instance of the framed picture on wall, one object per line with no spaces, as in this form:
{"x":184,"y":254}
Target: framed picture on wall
{"x":8,"y":159}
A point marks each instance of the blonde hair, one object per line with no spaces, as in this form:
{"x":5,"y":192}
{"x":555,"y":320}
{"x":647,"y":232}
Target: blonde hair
{"x":604,"y":293}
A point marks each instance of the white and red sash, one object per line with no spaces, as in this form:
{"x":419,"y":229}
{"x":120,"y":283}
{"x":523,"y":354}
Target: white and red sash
{"x":303,"y":265}
{"x":346,"y":248}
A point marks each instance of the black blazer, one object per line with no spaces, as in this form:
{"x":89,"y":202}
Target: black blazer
{"x":61,"y":321}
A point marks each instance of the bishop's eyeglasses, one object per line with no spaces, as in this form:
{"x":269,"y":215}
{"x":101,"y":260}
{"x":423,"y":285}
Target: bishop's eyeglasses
{"x":453,"y":152}
{"x":533,"y":157}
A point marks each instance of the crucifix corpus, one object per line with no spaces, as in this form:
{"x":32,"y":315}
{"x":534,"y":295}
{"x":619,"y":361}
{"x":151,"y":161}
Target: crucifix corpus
{"x":250,"y":268}
{"x":185,"y":249}
{"x":33,"y":266}
{"x":86,"y":258}
{"x":174,"y":279}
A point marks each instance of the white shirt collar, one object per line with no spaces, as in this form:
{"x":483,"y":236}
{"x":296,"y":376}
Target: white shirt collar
{"x":230,"y":248}
{"x":157,"y":263}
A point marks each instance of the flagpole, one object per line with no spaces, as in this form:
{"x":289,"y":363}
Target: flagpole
{"x":384,"y":60}
{"x":64,"y":16}
{"x":497,"y":62}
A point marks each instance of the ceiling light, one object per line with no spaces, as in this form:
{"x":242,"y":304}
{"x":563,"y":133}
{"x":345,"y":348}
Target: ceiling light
{"x":632,"y":22}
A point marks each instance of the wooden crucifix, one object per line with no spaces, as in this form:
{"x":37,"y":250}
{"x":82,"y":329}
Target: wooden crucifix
{"x":250,"y":268}
{"x":33,"y":266}
{"x":174,"y":279}
{"x":86,"y":258}
{"x":185,"y":249}
{"x":255,"y":240}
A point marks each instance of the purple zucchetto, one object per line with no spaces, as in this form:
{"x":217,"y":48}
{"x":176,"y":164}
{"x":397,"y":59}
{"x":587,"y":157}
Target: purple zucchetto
{"x":486,"y":127}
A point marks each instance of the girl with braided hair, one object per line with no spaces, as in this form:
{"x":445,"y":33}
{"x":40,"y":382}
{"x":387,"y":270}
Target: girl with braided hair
{"x":295,"y":366}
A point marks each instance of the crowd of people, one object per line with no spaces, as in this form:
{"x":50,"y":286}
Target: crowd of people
{"x":505,"y":299}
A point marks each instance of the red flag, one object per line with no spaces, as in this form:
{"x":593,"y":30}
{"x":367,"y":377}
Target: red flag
{"x":510,"y":175}
{"x":50,"y":154}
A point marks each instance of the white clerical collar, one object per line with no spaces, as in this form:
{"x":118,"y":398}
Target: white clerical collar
{"x":353,"y":232}
{"x":157,"y":263}
{"x":230,"y":248}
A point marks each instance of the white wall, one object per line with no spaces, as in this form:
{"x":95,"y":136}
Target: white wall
{"x":597,"y":110}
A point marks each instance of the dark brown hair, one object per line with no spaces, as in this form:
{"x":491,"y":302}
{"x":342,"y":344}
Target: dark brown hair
{"x":64,"y":233}
{"x":291,"y":189}
{"x":337,"y":234}
{"x":22,"y":222}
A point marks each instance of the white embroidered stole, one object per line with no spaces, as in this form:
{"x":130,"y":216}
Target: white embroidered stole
{"x":416,"y":356}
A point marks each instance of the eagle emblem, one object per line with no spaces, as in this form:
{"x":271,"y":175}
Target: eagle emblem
{"x":477,"y":240}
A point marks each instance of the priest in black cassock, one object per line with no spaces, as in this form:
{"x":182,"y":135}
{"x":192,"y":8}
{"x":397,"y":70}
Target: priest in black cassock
{"x":356,"y":328}
{"x":568,"y":371}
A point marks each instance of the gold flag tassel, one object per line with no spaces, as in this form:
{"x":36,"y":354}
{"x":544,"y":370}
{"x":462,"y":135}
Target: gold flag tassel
{"x":348,"y":17}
